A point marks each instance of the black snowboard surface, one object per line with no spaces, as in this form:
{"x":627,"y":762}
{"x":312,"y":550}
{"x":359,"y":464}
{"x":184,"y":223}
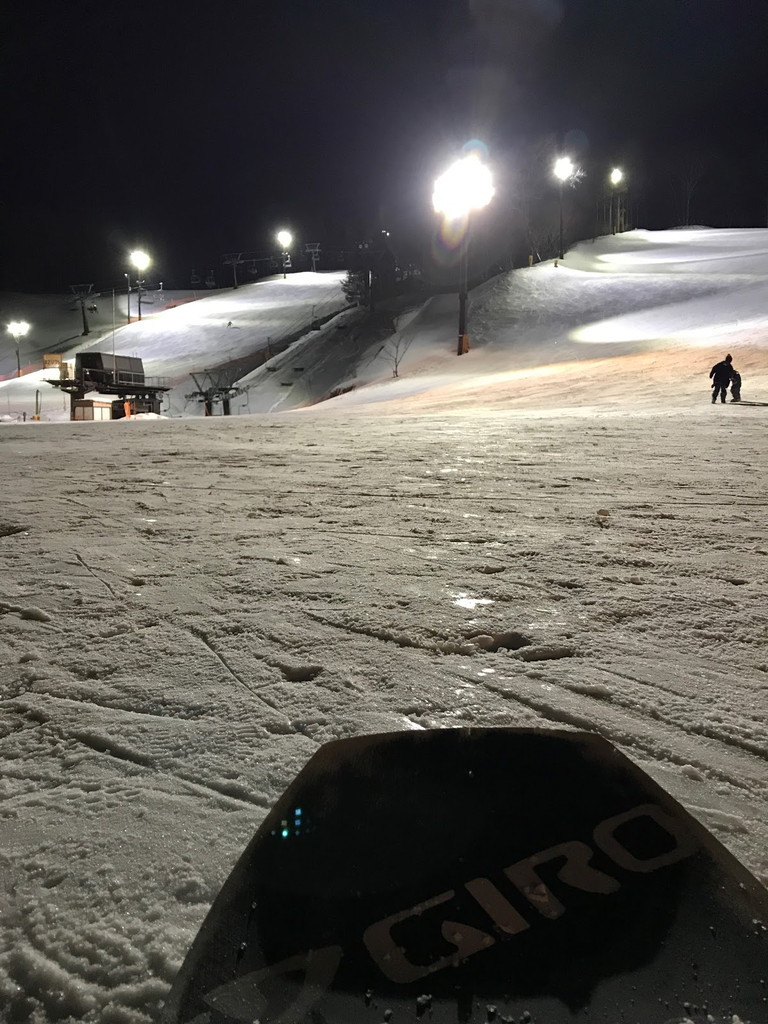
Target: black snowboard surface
{"x":479,"y":875}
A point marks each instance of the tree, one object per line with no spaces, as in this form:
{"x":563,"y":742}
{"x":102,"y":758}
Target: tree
{"x":688,"y":169}
{"x":356,"y":287}
{"x":395,"y":349}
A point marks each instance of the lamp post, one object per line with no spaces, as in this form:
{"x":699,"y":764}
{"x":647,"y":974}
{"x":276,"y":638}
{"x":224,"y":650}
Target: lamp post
{"x":285,"y":238}
{"x":17,"y":329}
{"x":617,"y":176}
{"x":563,"y":170}
{"x":467,"y":185}
{"x":141,"y":261}
{"x":128,"y":295}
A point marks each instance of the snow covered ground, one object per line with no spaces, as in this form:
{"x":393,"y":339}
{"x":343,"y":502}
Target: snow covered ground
{"x":239,"y":327}
{"x":555,"y":529}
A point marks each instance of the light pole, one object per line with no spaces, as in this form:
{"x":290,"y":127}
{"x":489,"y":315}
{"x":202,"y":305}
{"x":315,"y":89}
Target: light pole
{"x":141,"y":261}
{"x":285,"y":238}
{"x":563,"y":170}
{"x":128,"y":295}
{"x":467,"y":185}
{"x":18,"y":328}
{"x":617,"y":176}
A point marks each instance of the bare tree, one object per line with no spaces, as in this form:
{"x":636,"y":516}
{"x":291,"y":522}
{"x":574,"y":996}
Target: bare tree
{"x":395,"y":348}
{"x":688,"y":170}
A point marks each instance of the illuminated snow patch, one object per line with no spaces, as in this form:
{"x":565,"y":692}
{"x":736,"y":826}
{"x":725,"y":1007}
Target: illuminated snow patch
{"x":465,"y":601}
{"x":615,"y":330}
{"x":412,"y":725}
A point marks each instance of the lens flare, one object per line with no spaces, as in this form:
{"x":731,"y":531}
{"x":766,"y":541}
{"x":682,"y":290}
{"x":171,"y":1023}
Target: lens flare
{"x":139,"y":259}
{"x":466,"y":185}
{"x":564,"y":168}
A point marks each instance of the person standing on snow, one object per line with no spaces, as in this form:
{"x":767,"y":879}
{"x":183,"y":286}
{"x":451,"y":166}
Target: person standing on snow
{"x":735,"y":385}
{"x":720,"y":375}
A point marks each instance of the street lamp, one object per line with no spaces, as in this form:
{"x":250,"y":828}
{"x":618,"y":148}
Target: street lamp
{"x":18,"y":328}
{"x":617,"y":176}
{"x":563,"y":170}
{"x":285,"y":238}
{"x":141,"y":261}
{"x":467,"y":185}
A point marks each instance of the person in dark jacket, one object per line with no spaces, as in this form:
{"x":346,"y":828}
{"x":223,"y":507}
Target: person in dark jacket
{"x":735,"y":385}
{"x":720,"y":375}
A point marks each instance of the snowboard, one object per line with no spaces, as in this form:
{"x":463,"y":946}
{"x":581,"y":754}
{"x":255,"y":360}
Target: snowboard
{"x":479,"y":875}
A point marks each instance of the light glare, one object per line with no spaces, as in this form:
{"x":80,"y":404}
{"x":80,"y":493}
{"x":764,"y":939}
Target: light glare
{"x":139,"y":259}
{"x":18,"y":328}
{"x":285,"y":238}
{"x":466,"y":185}
{"x":616,"y":175}
{"x":564,"y":168}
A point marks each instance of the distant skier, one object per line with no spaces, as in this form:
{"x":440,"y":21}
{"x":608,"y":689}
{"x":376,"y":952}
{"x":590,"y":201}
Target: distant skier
{"x":735,"y":385}
{"x":720,"y":375}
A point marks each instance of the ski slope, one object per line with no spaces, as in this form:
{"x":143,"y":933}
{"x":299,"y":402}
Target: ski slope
{"x":637,"y":305}
{"x":555,"y":530}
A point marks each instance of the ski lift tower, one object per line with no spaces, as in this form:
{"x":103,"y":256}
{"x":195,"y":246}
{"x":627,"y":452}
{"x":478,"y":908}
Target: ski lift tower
{"x":313,"y":251}
{"x":81,"y":292}
{"x":233,"y":259}
{"x":217,"y":387}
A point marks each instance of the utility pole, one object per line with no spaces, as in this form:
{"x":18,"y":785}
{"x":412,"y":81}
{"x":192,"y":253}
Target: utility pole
{"x":463,"y":342}
{"x":368,"y":255}
{"x":18,"y":329}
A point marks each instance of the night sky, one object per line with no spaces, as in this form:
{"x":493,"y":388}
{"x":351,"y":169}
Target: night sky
{"x":196,"y":129}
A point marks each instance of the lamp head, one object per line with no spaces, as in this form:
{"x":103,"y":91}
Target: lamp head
{"x":466,"y":185}
{"x":563,"y":168}
{"x":18,"y":328}
{"x":139,"y":259}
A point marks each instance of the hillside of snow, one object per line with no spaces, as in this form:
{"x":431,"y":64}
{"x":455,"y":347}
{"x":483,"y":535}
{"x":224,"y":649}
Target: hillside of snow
{"x":556,"y":529}
{"x":655,"y":306}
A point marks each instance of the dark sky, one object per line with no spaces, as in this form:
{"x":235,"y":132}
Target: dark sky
{"x":196,"y":129}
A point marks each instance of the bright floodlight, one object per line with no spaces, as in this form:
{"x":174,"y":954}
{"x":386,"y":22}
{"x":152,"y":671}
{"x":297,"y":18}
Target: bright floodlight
{"x":18,"y":328}
{"x":616,"y":175}
{"x":466,"y":185}
{"x":285,"y":238}
{"x":139,"y":259}
{"x":564,"y":168}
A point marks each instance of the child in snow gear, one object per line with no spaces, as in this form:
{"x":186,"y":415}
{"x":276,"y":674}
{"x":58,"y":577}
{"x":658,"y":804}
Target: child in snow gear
{"x":735,"y":385}
{"x":720,"y":375}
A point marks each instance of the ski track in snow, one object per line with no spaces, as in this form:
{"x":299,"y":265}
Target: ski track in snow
{"x":220,"y":599}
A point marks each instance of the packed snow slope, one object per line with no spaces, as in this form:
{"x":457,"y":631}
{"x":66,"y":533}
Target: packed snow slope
{"x":236,"y":328}
{"x":642,"y":305}
{"x":639,"y":318}
{"x":556,"y":529}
